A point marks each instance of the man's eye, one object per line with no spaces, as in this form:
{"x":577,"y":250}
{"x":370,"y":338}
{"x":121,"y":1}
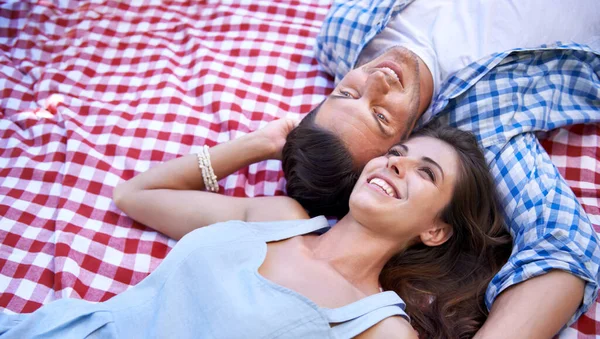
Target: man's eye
{"x":381,"y":117}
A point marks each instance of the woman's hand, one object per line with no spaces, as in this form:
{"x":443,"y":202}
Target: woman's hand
{"x":275,"y":133}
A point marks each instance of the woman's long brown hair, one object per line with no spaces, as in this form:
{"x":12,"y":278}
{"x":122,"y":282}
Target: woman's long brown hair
{"x":444,"y":287}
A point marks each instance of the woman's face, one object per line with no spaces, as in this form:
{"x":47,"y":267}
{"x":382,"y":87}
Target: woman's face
{"x":401,"y":195}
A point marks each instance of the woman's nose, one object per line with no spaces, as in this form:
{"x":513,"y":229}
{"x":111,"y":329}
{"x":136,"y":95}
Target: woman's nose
{"x":376,"y":85}
{"x":399,"y":164}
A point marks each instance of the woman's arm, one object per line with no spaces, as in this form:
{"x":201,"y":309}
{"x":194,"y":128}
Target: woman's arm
{"x":168,"y":197}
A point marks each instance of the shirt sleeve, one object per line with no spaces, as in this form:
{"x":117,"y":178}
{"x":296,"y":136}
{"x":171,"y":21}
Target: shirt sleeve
{"x":549,"y":226}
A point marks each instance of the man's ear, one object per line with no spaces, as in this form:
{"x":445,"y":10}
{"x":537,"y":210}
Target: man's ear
{"x":438,"y":234}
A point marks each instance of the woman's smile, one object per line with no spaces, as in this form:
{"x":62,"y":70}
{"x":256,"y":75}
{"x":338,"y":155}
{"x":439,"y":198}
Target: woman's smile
{"x":382,"y":186}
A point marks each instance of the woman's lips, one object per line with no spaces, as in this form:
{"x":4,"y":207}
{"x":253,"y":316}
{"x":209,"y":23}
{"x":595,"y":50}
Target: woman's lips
{"x":384,"y":186}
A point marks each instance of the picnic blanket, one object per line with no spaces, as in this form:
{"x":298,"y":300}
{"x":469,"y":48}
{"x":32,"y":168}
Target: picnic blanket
{"x":93,"y":93}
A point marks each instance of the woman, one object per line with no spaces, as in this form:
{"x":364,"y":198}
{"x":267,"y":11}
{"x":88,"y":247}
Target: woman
{"x":422,"y":222}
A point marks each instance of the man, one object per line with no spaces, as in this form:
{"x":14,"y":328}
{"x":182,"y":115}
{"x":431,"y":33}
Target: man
{"x":552,"y":277}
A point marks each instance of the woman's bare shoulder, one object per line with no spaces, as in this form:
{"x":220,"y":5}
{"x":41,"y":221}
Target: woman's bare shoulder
{"x":275,"y":208}
{"x":392,"y":327}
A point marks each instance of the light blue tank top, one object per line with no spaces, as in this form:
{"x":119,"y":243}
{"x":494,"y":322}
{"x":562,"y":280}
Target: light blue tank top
{"x":209,"y":287}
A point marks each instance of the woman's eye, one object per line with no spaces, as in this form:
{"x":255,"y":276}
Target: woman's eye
{"x":346,"y":94}
{"x":429,"y":173}
{"x":394,"y":152}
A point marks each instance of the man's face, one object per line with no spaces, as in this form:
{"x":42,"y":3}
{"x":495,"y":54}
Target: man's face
{"x":377,"y":104}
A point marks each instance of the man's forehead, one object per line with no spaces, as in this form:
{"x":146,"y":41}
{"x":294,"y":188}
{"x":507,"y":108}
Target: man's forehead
{"x":338,"y":117}
{"x":360,"y":139}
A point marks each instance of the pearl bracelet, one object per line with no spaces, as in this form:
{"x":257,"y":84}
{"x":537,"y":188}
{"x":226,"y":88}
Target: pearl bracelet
{"x":208,"y":174}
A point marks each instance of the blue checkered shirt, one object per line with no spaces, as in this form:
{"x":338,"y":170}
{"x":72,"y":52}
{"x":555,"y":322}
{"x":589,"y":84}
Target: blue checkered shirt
{"x":505,"y":99}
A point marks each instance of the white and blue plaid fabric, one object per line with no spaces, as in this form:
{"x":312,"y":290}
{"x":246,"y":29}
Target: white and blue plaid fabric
{"x":505,"y":99}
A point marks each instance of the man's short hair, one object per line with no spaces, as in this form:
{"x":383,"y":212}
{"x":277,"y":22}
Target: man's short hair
{"x":318,"y":168}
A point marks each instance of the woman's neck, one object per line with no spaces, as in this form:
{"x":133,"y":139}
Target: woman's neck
{"x":354,"y":251}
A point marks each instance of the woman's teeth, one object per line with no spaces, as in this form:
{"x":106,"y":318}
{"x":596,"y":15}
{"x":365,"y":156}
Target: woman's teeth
{"x":391,"y":73}
{"x":384,"y":186}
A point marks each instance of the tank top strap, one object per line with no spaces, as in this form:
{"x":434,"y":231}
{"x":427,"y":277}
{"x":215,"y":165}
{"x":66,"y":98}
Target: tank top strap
{"x":357,"y":317}
{"x":280,"y":230}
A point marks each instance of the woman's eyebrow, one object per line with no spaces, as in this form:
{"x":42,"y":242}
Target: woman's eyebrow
{"x":404,"y":147}
{"x":426,"y":159}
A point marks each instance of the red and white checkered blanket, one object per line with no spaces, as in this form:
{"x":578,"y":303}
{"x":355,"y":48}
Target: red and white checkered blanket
{"x":93,"y":93}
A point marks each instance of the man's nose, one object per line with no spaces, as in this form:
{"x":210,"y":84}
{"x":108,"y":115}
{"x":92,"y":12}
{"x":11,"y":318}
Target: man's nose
{"x":376,"y":85}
